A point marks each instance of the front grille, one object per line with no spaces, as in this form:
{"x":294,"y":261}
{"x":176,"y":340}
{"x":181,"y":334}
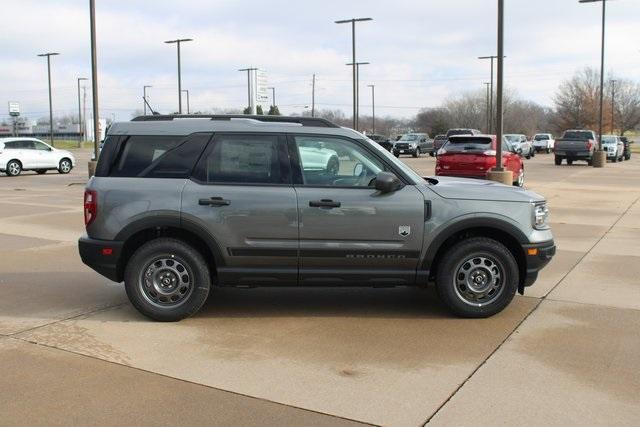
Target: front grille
{"x":402,"y":145}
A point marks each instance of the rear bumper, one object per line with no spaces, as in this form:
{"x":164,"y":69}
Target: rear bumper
{"x":102,"y":255}
{"x":537,"y":256}
{"x":575,"y":155}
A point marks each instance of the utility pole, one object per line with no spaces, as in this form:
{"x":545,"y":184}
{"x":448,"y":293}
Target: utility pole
{"x":144,"y":98}
{"x":84,"y":113}
{"x":373,"y":108}
{"x":80,"y":127}
{"x":600,"y":157}
{"x":273,"y":96}
{"x":249,"y":100}
{"x":353,"y":62}
{"x":94,"y":86}
{"x":313,"y":96}
{"x":488,"y":130}
{"x":178,"y":42}
{"x":48,"y":56}
{"x":491,"y":57}
{"x":357,"y":104}
{"x":188,"y":107}
{"x":613,"y":105}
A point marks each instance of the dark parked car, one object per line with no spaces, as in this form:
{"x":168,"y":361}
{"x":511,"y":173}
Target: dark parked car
{"x":384,"y":141}
{"x":438,"y":142}
{"x":627,"y":147}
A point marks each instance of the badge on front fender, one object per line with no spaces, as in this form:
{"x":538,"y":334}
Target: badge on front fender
{"x":404,"y":230}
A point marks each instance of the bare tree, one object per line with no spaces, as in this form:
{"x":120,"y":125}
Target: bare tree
{"x":577,"y":100}
{"x":627,"y":105}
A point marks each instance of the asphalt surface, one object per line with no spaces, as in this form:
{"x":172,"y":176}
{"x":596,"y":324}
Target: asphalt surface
{"x":74,"y":351}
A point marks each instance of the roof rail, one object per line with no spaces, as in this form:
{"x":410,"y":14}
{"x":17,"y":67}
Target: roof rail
{"x":304,"y":121}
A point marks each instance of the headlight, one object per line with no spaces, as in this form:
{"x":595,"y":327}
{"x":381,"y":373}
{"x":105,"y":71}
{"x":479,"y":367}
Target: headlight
{"x":540,"y":216}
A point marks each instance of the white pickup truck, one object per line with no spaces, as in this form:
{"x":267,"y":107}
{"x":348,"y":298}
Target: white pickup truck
{"x":543,"y":142}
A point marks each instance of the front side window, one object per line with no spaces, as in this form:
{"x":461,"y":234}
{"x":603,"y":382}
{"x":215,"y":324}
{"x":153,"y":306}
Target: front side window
{"x":243,"y":159}
{"x":40,"y":146}
{"x":336,"y":162}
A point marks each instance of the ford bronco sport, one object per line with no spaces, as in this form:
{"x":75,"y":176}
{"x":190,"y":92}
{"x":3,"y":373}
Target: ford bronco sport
{"x":179,"y":206}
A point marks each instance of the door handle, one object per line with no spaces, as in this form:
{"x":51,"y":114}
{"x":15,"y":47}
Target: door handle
{"x":324,"y":203}
{"x":214,"y":201}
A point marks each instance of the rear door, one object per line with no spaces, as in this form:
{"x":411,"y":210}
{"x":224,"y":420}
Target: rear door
{"x":241,"y":194}
{"x":351,"y":234}
{"x":29,"y":156}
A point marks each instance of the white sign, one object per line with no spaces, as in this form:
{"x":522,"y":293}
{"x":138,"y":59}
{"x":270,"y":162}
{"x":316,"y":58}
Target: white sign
{"x":262,"y":93}
{"x":14,"y":108}
{"x":102,"y":127}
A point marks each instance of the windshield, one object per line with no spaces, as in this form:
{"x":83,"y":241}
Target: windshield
{"x":512,"y":138}
{"x":452,"y":132}
{"x":541,"y":137}
{"x":470,"y":143}
{"x":581,"y":135}
{"x":410,"y":137}
{"x":416,"y":177}
{"x":608,"y":139}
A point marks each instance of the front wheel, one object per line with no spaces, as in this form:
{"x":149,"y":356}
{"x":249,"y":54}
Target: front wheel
{"x":548,"y":150}
{"x":519,"y":182}
{"x":65,"y":166}
{"x":558,"y":160}
{"x":167,"y":280}
{"x":569,"y":162}
{"x":416,"y":153}
{"x":477,"y":277}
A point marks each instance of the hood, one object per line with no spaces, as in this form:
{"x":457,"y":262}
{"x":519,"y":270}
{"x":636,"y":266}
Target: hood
{"x":480,"y":189}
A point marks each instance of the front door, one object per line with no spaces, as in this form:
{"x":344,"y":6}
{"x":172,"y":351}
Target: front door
{"x":351,"y":234}
{"x":46,"y":156}
{"x":241,"y":193}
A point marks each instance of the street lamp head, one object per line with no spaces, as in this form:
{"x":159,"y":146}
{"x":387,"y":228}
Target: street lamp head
{"x":82,"y":78}
{"x":589,"y":1}
{"x":178,"y":41}
{"x":49,"y":54}
{"x":358,"y":63}
{"x":345,"y":21}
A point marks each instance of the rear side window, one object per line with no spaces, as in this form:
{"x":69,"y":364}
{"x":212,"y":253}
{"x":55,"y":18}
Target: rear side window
{"x":158,"y":156}
{"x":244,"y":159}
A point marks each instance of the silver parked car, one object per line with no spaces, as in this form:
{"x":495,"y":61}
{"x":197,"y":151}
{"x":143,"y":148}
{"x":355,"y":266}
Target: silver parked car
{"x":523,"y":146}
{"x":178,"y":207}
{"x":614,"y":147}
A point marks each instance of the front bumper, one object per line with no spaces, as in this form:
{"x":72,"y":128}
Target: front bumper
{"x":411,"y":151}
{"x":537,"y":256}
{"x":103,"y":256}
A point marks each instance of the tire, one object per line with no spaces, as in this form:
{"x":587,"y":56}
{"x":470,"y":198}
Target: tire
{"x":569,"y":162}
{"x":396,"y":154}
{"x":479,"y":258}
{"x":548,"y":150}
{"x":558,"y":160}
{"x":65,"y":166}
{"x":528,"y":157}
{"x":416,"y":153}
{"x":615,"y":159}
{"x":519,"y":182}
{"x":432,"y":154}
{"x":590,"y":162}
{"x":14,"y":168}
{"x":627,"y":156}
{"x":169,"y":260}
{"x":41,"y":171}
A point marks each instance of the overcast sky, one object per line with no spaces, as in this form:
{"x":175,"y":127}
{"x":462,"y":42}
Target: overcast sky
{"x":420,"y":51}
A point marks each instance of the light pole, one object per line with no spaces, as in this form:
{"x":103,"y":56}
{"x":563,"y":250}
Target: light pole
{"x":373,"y":108}
{"x":178,"y":42}
{"x":249,"y":102}
{"x":80,"y":126}
{"x":498,"y":173}
{"x":313,"y":96}
{"x":491,"y":57}
{"x":487,"y":84}
{"x":188,"y":107}
{"x":94,"y":87}
{"x":273,"y":96}
{"x":357,"y":109}
{"x":144,"y":98}
{"x":600,"y":159}
{"x":48,"y":56}
{"x":353,"y":62}
{"x":613,"y":104}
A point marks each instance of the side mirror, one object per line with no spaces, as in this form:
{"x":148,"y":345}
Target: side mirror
{"x":387,"y":182}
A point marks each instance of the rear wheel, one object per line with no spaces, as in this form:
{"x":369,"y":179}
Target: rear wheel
{"x":14,"y":168}
{"x":627,"y":156}
{"x":558,"y":160}
{"x":569,"y":162}
{"x":477,"y":277}
{"x":548,"y":150}
{"x":167,"y":280}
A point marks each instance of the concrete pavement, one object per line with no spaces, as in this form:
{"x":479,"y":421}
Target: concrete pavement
{"x":564,"y":353}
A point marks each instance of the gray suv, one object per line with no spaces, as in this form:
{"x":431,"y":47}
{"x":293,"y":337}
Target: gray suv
{"x":179,"y":206}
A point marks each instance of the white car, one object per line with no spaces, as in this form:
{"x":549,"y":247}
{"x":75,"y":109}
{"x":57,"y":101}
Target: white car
{"x":543,"y":142}
{"x":18,"y":154}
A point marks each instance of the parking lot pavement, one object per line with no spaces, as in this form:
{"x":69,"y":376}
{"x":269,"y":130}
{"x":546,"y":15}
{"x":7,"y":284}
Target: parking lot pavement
{"x":564,"y":353}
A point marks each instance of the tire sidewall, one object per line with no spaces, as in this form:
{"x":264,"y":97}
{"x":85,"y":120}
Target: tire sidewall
{"x":8,"y":170}
{"x":60,"y":166}
{"x":187,"y":255}
{"x":470,"y":247}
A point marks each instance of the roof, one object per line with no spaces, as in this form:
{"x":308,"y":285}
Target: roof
{"x":185,"y":125}
{"x":19,"y":138}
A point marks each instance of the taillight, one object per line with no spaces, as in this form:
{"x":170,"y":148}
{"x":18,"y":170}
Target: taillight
{"x":589,"y":145}
{"x":90,"y":206}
